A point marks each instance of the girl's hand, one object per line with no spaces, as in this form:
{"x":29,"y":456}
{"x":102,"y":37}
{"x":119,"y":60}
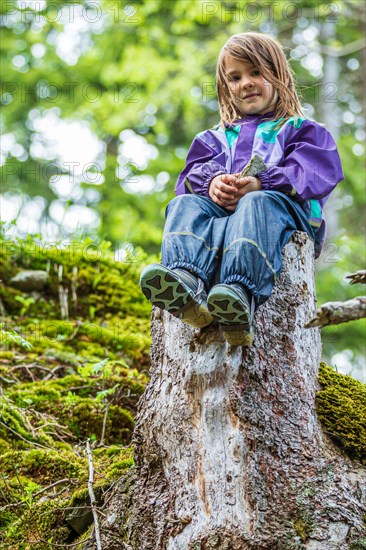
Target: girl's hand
{"x":224,"y":191}
{"x":247,"y":184}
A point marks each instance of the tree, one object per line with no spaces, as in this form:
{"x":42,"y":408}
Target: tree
{"x":229,"y":451}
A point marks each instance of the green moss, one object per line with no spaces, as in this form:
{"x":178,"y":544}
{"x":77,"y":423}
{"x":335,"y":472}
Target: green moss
{"x":49,"y":409}
{"x":341,"y":407}
{"x":358,"y":545}
{"x":302,"y":528}
{"x":38,"y":523}
{"x":87,"y":418}
{"x":44,"y":465}
{"x":102,"y":284}
{"x":7,"y":355}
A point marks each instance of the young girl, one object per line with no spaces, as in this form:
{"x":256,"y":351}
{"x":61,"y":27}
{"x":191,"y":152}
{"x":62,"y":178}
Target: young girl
{"x":224,"y":234}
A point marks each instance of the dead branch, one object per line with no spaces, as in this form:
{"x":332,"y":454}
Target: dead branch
{"x":104,"y":424}
{"x":2,"y":309}
{"x":92,"y":495}
{"x":358,"y":277}
{"x":33,"y":443}
{"x":334,"y":313}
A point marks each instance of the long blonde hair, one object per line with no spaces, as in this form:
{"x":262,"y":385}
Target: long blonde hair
{"x":267,"y":55}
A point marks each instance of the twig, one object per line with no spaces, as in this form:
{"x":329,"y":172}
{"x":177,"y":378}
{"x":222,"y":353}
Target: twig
{"x":32,"y":366}
{"x":92,"y":495}
{"x":29,"y":373}
{"x":7,"y":380}
{"x":54,"y":371}
{"x":15,"y":505}
{"x":2,"y":309}
{"x":72,"y":388}
{"x":74,"y":285}
{"x":78,"y":325}
{"x":50,"y":486}
{"x":104,"y":424}
{"x":23,"y":438}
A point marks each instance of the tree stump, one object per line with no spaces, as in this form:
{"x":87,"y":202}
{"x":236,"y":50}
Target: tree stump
{"x":229,"y":451}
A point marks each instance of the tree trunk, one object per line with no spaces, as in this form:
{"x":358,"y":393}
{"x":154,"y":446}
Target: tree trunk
{"x":229,"y":451}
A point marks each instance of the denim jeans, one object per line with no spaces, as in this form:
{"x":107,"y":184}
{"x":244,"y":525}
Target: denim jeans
{"x":244,"y":246}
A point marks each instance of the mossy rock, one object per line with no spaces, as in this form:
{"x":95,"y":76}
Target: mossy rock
{"x":87,"y":417}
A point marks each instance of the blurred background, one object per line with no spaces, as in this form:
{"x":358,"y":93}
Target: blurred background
{"x":101,"y":99}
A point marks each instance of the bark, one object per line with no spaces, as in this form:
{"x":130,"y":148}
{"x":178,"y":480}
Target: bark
{"x":334,"y":313}
{"x":229,"y":452}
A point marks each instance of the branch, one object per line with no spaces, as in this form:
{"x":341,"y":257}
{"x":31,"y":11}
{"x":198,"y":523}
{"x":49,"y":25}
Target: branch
{"x":358,"y":277}
{"x":360,"y":12}
{"x":23,"y":503}
{"x":33,"y":443}
{"x":333,"y":313}
{"x":104,"y":424}
{"x":92,"y":495}
{"x":352,"y":47}
{"x":2,"y":309}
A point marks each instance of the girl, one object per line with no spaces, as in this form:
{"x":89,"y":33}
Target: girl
{"x":224,"y":234}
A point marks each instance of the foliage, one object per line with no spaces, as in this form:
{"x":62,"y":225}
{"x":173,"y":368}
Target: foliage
{"x":11,"y":338}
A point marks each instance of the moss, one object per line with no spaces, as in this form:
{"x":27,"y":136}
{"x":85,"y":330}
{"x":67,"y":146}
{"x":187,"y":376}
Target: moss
{"x":341,"y":407}
{"x":302,"y":528}
{"x":17,"y":488}
{"x":44,"y":465}
{"x":39,"y":525}
{"x":358,"y":545}
{"x":103,"y":285}
{"x":7,"y":355}
{"x":45,"y":518}
{"x":87,"y":418}
{"x":4,"y":446}
{"x":50,"y":408}
{"x":82,"y":410}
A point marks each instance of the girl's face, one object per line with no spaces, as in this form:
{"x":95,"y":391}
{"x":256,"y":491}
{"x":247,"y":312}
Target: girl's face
{"x":250,"y":92}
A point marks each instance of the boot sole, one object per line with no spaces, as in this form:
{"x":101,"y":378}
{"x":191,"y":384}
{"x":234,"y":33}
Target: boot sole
{"x":166,"y":291}
{"x":234,"y":319}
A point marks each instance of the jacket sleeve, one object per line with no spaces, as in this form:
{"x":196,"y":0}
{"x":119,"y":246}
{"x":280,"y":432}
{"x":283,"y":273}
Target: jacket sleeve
{"x":310,"y":168}
{"x":202,"y":165}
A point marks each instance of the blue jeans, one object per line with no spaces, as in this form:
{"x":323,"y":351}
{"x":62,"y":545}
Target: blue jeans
{"x":244,"y":246}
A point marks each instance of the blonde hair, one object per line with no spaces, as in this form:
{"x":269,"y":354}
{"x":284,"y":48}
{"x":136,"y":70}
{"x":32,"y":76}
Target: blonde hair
{"x":267,"y":55}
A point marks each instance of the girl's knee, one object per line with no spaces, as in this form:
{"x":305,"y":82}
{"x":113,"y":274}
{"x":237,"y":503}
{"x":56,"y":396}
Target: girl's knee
{"x":260,"y":198}
{"x":180,"y":201}
{"x":252,"y":198}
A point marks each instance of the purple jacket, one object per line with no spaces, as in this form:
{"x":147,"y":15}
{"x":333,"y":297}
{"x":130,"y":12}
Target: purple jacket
{"x":301,"y":156}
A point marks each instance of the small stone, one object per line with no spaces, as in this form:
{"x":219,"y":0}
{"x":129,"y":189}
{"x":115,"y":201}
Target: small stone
{"x":80,"y":518}
{"x":29,"y":280}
